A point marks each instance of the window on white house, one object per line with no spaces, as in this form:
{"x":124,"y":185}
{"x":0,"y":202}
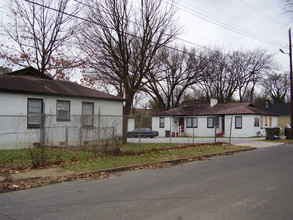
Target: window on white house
{"x":210,"y":122}
{"x":256,"y":122}
{"x":63,"y":110}
{"x":162,"y":122}
{"x":191,"y":122}
{"x":238,"y":122}
{"x":87,"y":118}
{"x":34,"y":113}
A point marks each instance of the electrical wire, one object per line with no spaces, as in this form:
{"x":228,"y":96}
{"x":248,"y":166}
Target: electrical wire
{"x":177,"y":38}
{"x":130,"y":34}
{"x":224,"y":24}
{"x":261,"y":13}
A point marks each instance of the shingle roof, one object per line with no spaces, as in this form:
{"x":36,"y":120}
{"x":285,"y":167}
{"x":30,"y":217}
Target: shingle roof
{"x":218,"y":109}
{"x":31,"y":81}
{"x":199,"y":109}
{"x":279,"y":109}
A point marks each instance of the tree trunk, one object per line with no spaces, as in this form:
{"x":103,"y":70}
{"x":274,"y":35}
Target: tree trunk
{"x":126,"y":113}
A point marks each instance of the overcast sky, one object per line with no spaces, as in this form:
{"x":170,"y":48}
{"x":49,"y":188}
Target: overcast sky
{"x":237,"y":24}
{"x":234,"y":25}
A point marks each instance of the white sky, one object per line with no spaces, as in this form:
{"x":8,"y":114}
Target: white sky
{"x":264,"y":19}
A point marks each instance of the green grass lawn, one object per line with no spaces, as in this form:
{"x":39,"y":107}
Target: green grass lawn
{"x":86,"y":161}
{"x":22,"y":157}
{"x":112,"y":162}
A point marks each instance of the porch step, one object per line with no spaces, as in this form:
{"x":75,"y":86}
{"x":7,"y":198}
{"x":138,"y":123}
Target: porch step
{"x":219,"y":135}
{"x":175,"y":134}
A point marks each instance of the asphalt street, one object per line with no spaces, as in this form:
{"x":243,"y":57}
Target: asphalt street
{"x":257,"y":184}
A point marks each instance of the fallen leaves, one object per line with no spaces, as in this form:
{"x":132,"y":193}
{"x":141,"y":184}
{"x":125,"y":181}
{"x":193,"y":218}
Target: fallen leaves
{"x":13,"y":185}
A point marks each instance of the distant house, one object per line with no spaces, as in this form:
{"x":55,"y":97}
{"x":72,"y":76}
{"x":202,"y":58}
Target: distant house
{"x":283,"y":111}
{"x":74,"y":114}
{"x":235,"y":119}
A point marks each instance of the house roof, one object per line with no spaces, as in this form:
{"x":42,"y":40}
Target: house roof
{"x":279,"y":109}
{"x":31,"y":81}
{"x":218,"y":109}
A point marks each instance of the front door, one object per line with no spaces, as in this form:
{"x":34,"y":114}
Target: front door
{"x":223,"y":125}
{"x":181,"y":124}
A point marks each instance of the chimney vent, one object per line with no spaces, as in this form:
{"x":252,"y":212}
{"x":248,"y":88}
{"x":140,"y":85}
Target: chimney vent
{"x":213,"y":102}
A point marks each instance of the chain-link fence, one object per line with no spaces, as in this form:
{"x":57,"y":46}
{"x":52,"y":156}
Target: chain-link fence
{"x":104,"y":134}
{"x":19,"y":132}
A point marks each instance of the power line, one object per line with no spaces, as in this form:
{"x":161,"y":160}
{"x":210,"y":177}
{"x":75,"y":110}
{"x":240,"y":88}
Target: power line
{"x":227,"y":25}
{"x":102,"y":25}
{"x":178,"y":38}
{"x":245,"y":33}
{"x":130,"y":34}
{"x":261,"y":13}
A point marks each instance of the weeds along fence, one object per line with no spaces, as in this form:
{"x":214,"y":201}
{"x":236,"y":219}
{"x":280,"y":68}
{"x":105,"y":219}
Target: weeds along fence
{"x":18,"y":132}
{"x":85,"y":131}
{"x":100,"y":134}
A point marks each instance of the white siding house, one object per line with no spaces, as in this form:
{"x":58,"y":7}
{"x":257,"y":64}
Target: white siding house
{"x":224,"y":120}
{"x":70,"y":114}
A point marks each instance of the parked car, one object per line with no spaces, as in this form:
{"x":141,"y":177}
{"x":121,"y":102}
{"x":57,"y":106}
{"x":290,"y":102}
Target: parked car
{"x":142,"y":132}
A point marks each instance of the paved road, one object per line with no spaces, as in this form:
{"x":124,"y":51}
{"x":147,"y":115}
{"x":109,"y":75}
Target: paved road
{"x":256,"y":184}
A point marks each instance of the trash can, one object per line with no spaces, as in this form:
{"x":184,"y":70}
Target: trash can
{"x":288,"y":133}
{"x":272,"y":133}
{"x":167,"y":133}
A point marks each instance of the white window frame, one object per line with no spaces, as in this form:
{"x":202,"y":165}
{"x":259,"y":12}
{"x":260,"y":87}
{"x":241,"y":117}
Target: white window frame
{"x":63,"y":106}
{"x":238,"y":122}
{"x":161,"y":122}
{"x":191,"y":122}
{"x":34,"y":112}
{"x":87,"y":118}
{"x":210,"y":122}
{"x":256,"y":122}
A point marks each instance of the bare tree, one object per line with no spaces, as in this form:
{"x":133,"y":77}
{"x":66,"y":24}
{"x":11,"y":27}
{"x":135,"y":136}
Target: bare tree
{"x":121,"y":42}
{"x":276,"y":87}
{"x":287,"y":5}
{"x":177,"y":71}
{"x":236,"y":71}
{"x":249,"y":67}
{"x":218,"y":81}
{"x":39,"y":35}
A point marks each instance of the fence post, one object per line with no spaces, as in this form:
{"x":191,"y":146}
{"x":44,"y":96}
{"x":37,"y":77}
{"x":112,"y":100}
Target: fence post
{"x":193,"y":126}
{"x":99,"y":124}
{"x":42,"y":139}
{"x":139,"y":133}
{"x":113,"y":140}
{"x":231,"y":126}
{"x":215,"y":124}
{"x":170,"y":130}
{"x":66,"y":136}
{"x":79,"y":136}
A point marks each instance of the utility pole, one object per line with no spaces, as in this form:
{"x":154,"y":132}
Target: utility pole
{"x":291,"y":85}
{"x":291,"y":82}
